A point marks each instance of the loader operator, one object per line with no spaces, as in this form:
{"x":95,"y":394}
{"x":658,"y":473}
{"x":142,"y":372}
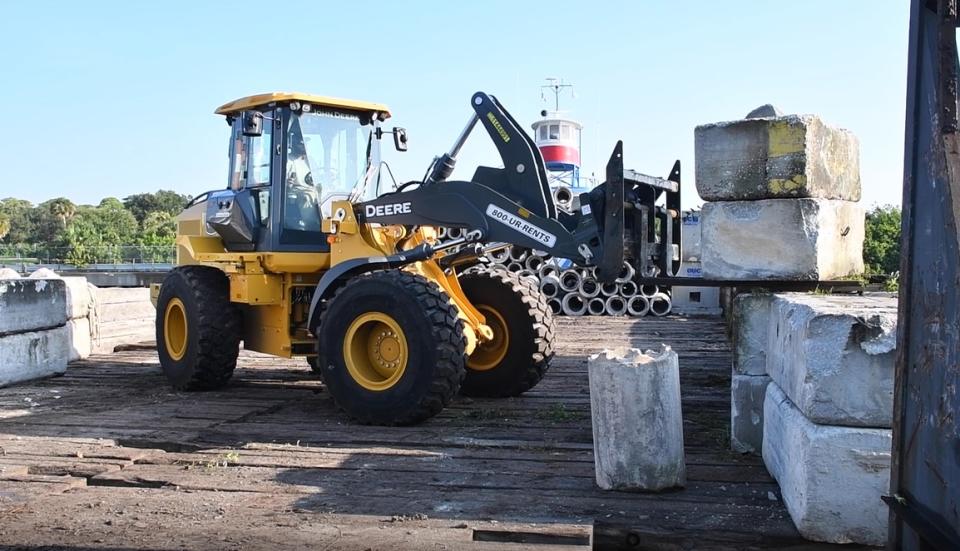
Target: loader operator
{"x":301,"y":206}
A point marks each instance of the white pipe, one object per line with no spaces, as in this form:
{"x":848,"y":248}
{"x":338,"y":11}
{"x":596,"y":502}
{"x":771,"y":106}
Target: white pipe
{"x":597,"y":306}
{"x":515,"y":267}
{"x":527,"y":274}
{"x":573,"y":305}
{"x":570,"y":280}
{"x":562,"y":196}
{"x":517,"y":254}
{"x":638,"y":306}
{"x":609,"y":289}
{"x":660,"y":305}
{"x":626,"y":273}
{"x":628,"y":289}
{"x":556,"y":306}
{"x":533,"y":263}
{"x":501,"y":256}
{"x":550,"y":286}
{"x":589,"y":287}
{"x":616,"y":306}
{"x":549,"y":270}
{"x":649,"y":290}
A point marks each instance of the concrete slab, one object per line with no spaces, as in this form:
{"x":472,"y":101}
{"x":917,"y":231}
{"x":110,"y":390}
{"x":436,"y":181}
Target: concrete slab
{"x":776,"y":157}
{"x":637,"y":420}
{"x":835,"y":356}
{"x":33,"y":355}
{"x":831,"y":478}
{"x":746,"y":412}
{"x":80,"y":341}
{"x":750,"y":327}
{"x":784,"y":239}
{"x":31,"y":304}
{"x":79,"y":296}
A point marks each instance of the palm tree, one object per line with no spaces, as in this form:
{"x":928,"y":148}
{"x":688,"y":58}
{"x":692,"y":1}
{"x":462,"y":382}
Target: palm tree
{"x":63,"y":208}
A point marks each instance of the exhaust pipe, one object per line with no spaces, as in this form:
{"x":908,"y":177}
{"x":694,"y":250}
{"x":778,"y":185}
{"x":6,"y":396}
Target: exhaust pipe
{"x":596,"y":307}
{"x":660,"y":305}
{"x":649,"y":291}
{"x":609,"y":289}
{"x":589,"y":287}
{"x":628,"y":289}
{"x":550,"y":286}
{"x":573,"y":305}
{"x":616,"y":306}
{"x":638,"y":306}
{"x":626,"y":273}
{"x":555,"y":305}
{"x":570,"y":280}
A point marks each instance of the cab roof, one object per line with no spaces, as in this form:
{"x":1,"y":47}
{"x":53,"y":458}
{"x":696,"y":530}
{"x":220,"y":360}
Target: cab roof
{"x":259,"y":100}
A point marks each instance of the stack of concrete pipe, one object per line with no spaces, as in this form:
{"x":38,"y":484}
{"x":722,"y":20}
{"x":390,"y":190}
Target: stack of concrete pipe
{"x":574,"y":291}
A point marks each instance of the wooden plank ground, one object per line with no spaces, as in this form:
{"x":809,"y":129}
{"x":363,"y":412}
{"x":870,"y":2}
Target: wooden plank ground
{"x":108,"y":457}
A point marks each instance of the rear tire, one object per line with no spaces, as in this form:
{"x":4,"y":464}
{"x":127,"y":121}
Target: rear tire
{"x":513,"y":306}
{"x":198,"y":328}
{"x":391,"y":348}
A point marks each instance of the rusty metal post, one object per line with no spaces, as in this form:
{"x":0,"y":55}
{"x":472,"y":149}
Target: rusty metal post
{"x":925,"y":474}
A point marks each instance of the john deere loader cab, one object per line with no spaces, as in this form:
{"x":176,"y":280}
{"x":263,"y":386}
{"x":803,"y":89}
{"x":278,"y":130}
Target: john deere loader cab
{"x":304,"y":255}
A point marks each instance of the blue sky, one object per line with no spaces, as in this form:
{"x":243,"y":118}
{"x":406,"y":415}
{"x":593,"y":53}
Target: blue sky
{"x":115,"y":98}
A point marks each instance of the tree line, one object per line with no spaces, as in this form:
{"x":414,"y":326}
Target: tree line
{"x":140,"y":228}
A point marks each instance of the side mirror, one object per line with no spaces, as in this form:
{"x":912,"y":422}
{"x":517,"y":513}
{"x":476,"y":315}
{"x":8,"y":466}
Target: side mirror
{"x":400,"y":138}
{"x":252,"y":122}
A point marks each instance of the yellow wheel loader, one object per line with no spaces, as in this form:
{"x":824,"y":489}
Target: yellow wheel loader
{"x":307,"y":253}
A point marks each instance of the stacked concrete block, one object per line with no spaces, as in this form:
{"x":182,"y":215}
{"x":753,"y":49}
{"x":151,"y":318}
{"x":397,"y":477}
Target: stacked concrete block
{"x":828,"y":409}
{"x":121,"y":316}
{"x":79,"y":300}
{"x":783,"y":194}
{"x":750,"y":315}
{"x":34,"y":341}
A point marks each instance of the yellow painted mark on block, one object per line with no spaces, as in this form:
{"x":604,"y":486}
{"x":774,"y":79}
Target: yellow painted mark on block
{"x":785,"y":138}
{"x":781,"y":186}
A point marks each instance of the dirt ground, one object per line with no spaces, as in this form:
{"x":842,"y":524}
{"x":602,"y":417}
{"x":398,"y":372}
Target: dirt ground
{"x":107,"y":457}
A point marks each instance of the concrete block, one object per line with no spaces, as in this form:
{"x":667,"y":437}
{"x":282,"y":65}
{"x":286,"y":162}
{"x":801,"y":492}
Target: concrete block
{"x":750,"y":327}
{"x":637,"y":421}
{"x":80,"y":340}
{"x":776,"y":157}
{"x":120,"y":295}
{"x":31,"y":304}
{"x":834,"y":356}
{"x":831,"y":478}
{"x":79,"y":297}
{"x":792,"y":239}
{"x":746,"y":412}
{"x":9,"y":273}
{"x":33,"y":355}
{"x":696,"y":301}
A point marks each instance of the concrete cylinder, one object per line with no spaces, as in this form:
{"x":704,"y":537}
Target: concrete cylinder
{"x":637,"y":420}
{"x":596,"y":306}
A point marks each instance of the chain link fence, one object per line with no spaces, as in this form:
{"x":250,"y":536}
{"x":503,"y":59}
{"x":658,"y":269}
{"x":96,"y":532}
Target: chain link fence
{"x":82,"y":255}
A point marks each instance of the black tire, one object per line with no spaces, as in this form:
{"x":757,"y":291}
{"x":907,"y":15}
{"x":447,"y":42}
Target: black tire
{"x":203,"y":359}
{"x":529,"y":322}
{"x":433,"y":339}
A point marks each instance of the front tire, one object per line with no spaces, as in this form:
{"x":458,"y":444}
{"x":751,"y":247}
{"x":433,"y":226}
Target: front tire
{"x":198,"y":328}
{"x":391,"y":348}
{"x":522,"y":322}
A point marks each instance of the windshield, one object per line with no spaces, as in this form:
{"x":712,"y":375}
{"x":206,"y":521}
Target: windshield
{"x":332,"y":153}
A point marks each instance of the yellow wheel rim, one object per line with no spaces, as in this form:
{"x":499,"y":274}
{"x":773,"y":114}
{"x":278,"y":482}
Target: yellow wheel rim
{"x":489,"y":354}
{"x":175,"y":329}
{"x":375,"y":351}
